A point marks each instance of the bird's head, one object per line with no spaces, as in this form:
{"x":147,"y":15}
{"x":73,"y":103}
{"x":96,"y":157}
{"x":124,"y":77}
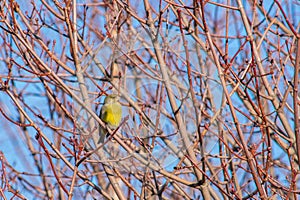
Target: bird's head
{"x":112,"y":98}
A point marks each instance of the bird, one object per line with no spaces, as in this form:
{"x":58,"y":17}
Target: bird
{"x":110,"y":114}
